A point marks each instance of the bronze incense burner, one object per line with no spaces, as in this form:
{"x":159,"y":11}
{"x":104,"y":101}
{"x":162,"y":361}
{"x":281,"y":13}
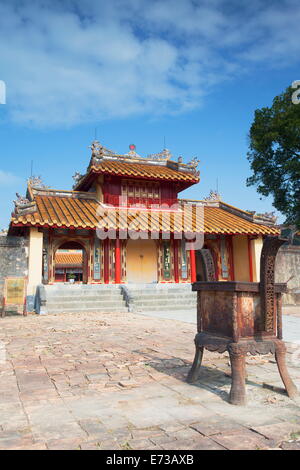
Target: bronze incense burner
{"x":241,"y":318}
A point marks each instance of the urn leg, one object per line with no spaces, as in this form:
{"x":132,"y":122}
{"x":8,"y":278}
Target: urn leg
{"x":290,"y":387}
{"x":238,"y":376}
{"x":194,"y":372}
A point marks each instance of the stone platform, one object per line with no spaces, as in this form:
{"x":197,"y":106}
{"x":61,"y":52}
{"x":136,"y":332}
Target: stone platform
{"x":117,"y":381}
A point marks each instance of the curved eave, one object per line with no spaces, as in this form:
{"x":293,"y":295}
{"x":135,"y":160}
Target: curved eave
{"x":87,"y":180}
{"x":46,"y":224}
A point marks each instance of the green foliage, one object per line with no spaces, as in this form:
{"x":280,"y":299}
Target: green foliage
{"x":274,"y":155}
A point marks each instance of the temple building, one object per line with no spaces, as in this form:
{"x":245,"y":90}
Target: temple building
{"x":124,"y":222}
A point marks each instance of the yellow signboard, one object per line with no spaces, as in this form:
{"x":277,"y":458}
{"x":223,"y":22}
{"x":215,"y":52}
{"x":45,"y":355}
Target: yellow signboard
{"x":14,"y":292}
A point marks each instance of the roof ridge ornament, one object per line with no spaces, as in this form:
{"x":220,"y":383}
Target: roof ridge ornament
{"x":132,"y":152}
{"x":214,"y":196}
{"x":36,"y":182}
{"x":77,"y":177}
{"x":99,"y":151}
{"x":164,"y":155}
{"x":193,"y":163}
{"x":21,"y":200}
{"x":266,"y":218}
{"x":23,"y":206}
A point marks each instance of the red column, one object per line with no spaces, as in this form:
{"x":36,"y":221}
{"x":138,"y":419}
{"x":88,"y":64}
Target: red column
{"x":231,"y":260}
{"x":176,"y":267}
{"x":193,"y":265}
{"x":250,"y":259}
{"x":106,"y":260}
{"x":118,"y":261}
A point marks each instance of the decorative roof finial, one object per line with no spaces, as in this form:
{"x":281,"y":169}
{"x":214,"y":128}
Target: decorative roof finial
{"x":164,"y":155}
{"x":77,"y":177}
{"x":36,"y":182}
{"x":21,"y":201}
{"x":98,"y":151}
{"x":132,"y":152}
{"x":96,"y":148}
{"x":194,"y":163}
{"x":213,"y":196}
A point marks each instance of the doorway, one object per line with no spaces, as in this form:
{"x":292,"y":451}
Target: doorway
{"x":141,"y":261}
{"x":70,"y":263}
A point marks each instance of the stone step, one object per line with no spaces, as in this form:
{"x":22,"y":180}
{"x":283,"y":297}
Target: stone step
{"x":83,"y":288}
{"x":165,"y":298}
{"x":86,"y":303}
{"x":167,"y":308}
{"x":161,"y":291}
{"x":84,"y":296}
{"x":162,"y":298}
{"x":169,"y":301}
{"x":165,"y":288}
{"x":83,"y":310}
{"x":163,"y":295}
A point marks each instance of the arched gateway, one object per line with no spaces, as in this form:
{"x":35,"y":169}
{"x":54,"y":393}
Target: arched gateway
{"x":70,"y":263}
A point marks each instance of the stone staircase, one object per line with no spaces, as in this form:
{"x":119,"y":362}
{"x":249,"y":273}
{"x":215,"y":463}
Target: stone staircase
{"x":106,"y":298}
{"x":151,"y":298}
{"x":80,"y":298}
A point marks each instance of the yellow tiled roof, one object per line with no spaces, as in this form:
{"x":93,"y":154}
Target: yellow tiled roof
{"x":143,"y":170}
{"x":78,"y":212}
{"x":68,"y":258}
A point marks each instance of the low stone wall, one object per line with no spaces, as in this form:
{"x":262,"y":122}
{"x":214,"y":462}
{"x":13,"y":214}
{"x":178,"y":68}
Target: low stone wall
{"x":288,"y":270}
{"x":13,"y":259}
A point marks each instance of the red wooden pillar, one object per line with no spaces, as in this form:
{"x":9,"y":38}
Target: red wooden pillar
{"x":118,"y":261}
{"x":106,"y":260}
{"x":231,"y":260}
{"x":193,"y":265}
{"x":250,"y":259}
{"x":176,"y":266}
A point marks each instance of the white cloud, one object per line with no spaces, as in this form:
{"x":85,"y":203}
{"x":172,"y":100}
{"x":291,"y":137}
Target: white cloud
{"x":8,"y":179}
{"x":76,"y":61}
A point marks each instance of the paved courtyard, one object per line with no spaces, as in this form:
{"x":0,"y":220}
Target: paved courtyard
{"x":117,"y":381}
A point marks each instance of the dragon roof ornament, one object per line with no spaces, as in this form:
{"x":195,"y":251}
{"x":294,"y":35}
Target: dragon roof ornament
{"x":77,"y":177}
{"x":36,"y":182}
{"x":165,"y":154}
{"x":98,"y":151}
{"x":21,"y":200}
{"x":23,"y":205}
{"x":213,"y":196}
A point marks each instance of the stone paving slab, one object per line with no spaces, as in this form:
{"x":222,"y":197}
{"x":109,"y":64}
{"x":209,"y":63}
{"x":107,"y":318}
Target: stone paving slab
{"x":291,"y":320}
{"x":118,"y":381}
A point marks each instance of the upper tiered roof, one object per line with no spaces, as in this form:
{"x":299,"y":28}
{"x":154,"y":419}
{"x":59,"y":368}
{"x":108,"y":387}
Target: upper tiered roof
{"x":155,"y":167}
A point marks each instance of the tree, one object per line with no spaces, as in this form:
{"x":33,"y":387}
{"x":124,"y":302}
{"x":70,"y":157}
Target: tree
{"x":274,"y":154}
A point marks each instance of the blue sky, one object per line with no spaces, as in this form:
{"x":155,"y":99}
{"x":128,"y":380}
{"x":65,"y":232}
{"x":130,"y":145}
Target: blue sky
{"x":138,"y":71}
